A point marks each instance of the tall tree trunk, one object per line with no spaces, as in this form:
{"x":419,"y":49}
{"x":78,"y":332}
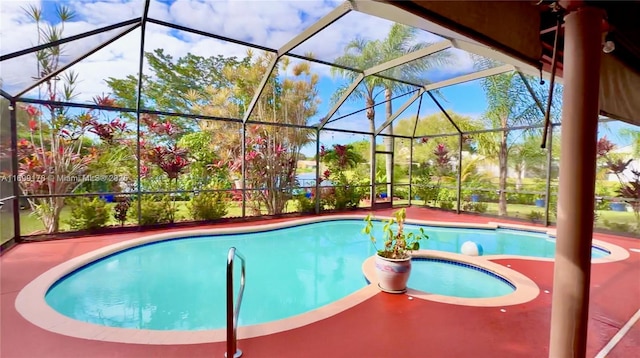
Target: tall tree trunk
{"x":56,"y":210}
{"x":371,"y":115}
{"x":388,"y":143}
{"x":502,"y":158}
{"x":519,"y":168}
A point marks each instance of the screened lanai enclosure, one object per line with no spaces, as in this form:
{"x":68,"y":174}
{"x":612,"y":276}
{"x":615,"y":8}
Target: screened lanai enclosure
{"x":143,"y":113}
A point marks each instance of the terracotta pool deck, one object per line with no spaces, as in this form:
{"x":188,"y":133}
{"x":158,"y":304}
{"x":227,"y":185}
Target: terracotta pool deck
{"x":382,"y":326}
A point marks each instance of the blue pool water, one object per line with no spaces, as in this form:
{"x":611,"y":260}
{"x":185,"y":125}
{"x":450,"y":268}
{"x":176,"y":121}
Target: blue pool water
{"x":180,"y":284}
{"x":447,"y":278}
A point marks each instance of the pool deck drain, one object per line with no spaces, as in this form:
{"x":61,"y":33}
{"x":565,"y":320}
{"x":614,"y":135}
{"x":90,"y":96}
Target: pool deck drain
{"x":361,"y":330}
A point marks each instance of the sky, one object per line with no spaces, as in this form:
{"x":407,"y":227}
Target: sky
{"x":265,"y":23}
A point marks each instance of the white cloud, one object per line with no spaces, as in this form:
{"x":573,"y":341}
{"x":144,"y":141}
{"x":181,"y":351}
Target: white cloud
{"x":108,"y":11}
{"x":250,"y":21}
{"x":13,"y":21}
{"x":159,"y":11}
{"x":330,"y":42}
{"x":462,"y":63}
{"x":268,"y":23}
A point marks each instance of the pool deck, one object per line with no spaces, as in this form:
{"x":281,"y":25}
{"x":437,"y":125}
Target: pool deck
{"x":384,"y":325}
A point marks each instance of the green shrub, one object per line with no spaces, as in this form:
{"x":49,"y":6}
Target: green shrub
{"x":156,"y":209}
{"x":427,"y":192}
{"x":535,"y":216}
{"x":87,"y":213}
{"x":489,"y":196}
{"x":401,"y":192}
{"x":623,"y":227}
{"x":521,"y":198}
{"x":423,"y":187}
{"x":480,"y":207}
{"x":209,"y":206}
{"x":447,"y":205}
{"x":477,"y":207}
{"x":447,"y":194}
{"x":304,"y":204}
{"x":603,"y":204}
{"x":347,"y":197}
{"x":553,"y":208}
{"x":340,"y":198}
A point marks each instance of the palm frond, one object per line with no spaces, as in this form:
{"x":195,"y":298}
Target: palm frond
{"x":357,"y":95}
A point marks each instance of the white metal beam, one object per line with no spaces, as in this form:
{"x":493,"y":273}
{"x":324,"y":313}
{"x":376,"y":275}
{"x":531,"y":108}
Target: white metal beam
{"x":342,"y":99}
{"x":416,"y":55}
{"x":61,"y":69}
{"x":260,"y":89}
{"x":470,"y":77}
{"x":316,"y":27}
{"x":392,"y":13}
{"x":495,"y":55}
{"x":442,"y":45}
{"x":388,"y":11}
{"x":400,"y":110}
{"x":533,"y":72}
{"x":532,"y":93}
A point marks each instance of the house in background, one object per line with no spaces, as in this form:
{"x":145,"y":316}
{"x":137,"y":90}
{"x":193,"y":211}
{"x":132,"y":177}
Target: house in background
{"x":307,"y":164}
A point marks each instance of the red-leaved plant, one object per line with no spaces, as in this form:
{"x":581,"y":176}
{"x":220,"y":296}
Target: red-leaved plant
{"x":270,"y":169}
{"x":629,"y":190}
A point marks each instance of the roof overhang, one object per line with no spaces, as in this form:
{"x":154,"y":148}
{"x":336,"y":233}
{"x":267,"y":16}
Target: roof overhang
{"x":510,"y":31}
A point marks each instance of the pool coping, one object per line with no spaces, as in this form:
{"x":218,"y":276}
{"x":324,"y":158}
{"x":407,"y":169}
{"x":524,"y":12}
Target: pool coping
{"x":525,"y":289}
{"x":31,"y":304}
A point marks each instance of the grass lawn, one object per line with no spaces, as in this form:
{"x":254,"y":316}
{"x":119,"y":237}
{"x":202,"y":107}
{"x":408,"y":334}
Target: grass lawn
{"x":522,"y":211}
{"x":30,"y":224}
{"x":6,"y":226}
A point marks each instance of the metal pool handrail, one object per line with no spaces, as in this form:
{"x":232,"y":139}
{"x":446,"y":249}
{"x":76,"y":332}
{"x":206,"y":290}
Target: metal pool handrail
{"x":232,"y":313}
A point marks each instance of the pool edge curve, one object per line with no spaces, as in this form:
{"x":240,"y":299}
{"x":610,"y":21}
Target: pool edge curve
{"x":31,"y":304}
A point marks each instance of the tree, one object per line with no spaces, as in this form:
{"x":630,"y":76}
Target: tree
{"x":509,"y":104}
{"x":527,"y":156}
{"x":634,"y":136}
{"x":272,"y":152}
{"x":341,"y":162}
{"x":223,"y":87}
{"x":629,"y":190}
{"x":51,"y":154}
{"x":363,"y":54}
{"x":171,"y":81}
{"x":202,"y":151}
{"x":437,"y":124}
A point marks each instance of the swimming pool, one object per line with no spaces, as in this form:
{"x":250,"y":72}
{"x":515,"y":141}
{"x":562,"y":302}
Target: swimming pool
{"x":180,"y":284}
{"x":495,"y":242}
{"x":450,"y":278}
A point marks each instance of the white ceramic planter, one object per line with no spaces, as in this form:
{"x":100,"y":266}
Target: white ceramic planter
{"x":393,"y":274}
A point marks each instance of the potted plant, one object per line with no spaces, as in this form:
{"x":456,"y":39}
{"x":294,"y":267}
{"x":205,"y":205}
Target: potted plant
{"x":393,"y":261}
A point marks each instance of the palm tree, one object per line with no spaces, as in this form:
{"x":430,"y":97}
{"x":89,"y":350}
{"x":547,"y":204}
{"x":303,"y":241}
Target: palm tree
{"x":509,"y":104}
{"x":361,"y":53}
{"x":527,"y":155}
{"x":634,"y":136}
